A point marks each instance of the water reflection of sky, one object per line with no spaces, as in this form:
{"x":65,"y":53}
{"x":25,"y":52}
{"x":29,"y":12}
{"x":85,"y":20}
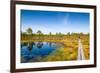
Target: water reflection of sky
{"x":45,"y":50}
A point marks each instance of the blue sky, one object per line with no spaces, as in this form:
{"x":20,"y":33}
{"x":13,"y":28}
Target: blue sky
{"x":51,"y":21}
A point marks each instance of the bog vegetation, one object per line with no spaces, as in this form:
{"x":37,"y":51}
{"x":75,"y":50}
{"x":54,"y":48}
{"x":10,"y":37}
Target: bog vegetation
{"x":69,"y":40}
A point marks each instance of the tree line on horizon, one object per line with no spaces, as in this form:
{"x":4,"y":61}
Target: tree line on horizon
{"x":29,"y":31}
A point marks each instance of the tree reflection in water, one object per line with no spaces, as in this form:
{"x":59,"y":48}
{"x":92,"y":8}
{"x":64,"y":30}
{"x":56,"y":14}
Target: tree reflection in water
{"x":23,"y":44}
{"x":39,"y":44}
{"x":50,"y":44}
{"x":36,"y":51}
{"x":30,"y":45}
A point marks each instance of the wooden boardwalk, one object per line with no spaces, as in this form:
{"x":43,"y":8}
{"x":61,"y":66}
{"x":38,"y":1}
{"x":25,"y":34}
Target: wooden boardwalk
{"x":81,"y":55}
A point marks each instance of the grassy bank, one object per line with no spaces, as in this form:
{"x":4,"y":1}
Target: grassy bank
{"x":68,"y":52}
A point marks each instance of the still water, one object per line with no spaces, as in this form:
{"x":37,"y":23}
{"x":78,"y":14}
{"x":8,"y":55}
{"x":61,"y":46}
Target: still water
{"x":37,"y":51}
